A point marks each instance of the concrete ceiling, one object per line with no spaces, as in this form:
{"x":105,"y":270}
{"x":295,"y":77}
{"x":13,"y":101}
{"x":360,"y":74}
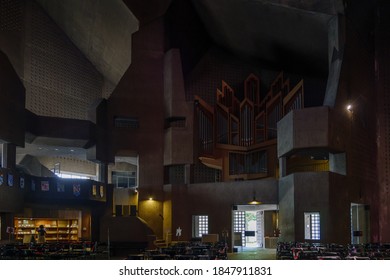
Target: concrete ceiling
{"x":101,"y":29}
{"x":279,"y":32}
{"x":282,"y":33}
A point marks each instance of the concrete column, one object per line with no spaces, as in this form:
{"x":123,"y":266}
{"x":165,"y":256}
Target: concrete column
{"x":187,"y":174}
{"x":102,"y":175}
{"x":282,"y":167}
{"x":8,"y":159}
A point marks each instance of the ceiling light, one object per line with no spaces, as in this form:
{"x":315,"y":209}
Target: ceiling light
{"x":254,"y":201}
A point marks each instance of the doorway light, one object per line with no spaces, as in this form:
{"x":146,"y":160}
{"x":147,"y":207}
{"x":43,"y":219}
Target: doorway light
{"x":254,"y":201}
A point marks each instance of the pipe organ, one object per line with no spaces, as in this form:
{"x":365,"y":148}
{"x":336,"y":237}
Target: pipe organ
{"x":239,"y":133}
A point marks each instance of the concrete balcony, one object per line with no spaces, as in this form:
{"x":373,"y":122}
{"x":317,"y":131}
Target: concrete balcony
{"x":302,"y":129}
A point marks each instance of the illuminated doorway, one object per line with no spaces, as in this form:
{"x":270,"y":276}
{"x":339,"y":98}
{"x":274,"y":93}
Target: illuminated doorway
{"x":360,"y":223}
{"x":253,"y":225}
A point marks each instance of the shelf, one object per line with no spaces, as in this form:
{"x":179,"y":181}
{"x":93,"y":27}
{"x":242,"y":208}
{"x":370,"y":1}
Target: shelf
{"x":56,"y":229}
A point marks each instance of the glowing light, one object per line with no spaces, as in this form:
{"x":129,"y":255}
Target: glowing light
{"x":349,"y":107}
{"x":254,"y":201}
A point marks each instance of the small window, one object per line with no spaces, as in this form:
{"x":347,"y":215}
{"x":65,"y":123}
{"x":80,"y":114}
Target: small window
{"x":126,"y":122}
{"x":69,"y":175}
{"x":200,"y":225}
{"x":312,"y":226}
{"x":124,"y":179}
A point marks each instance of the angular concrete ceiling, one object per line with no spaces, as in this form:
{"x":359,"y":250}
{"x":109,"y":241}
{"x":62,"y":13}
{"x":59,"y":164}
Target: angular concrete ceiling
{"x":101,"y":29}
{"x":284,"y":33}
{"x":280,"y":32}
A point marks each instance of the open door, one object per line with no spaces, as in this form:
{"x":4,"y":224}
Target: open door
{"x":360,"y":223}
{"x":260,"y":229}
{"x":254,"y":226}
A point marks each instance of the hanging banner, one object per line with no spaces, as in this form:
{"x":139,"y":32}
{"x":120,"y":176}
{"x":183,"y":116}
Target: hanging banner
{"x":76,"y":189}
{"x":21,"y":183}
{"x":45,"y":186}
{"x":10,"y":180}
{"x":101,"y":191}
{"x":60,"y":187}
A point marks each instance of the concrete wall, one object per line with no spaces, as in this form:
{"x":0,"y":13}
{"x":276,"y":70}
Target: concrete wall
{"x":140,"y":94}
{"x":59,"y":79}
{"x":12,"y":33}
{"x":323,"y":192}
{"x":11,"y":199}
{"x":12,"y":100}
{"x":305,"y":128}
{"x":32,"y":166}
{"x":287,"y":208}
{"x":178,"y":141}
{"x":70,"y":164}
{"x":355,"y":131}
{"x":299,"y":193}
{"x":217,"y":200}
{"x":125,"y":196}
{"x":380,"y":209}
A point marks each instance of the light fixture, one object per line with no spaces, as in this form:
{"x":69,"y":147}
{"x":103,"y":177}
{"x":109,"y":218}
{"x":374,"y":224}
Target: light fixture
{"x":254,"y":201}
{"x":349,"y":107}
{"x":150,"y":198}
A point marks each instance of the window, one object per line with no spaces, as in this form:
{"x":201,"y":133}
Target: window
{"x":239,"y":223}
{"x":126,"y":122}
{"x":124,"y":179}
{"x":200,"y":225}
{"x":312,"y":225}
{"x":65,"y":175}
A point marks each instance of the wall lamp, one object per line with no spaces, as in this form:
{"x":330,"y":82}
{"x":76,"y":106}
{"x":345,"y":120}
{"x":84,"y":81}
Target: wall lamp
{"x":350,"y":108}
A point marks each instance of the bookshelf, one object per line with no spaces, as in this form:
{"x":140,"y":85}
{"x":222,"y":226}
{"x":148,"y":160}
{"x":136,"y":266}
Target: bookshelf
{"x":56,"y":229}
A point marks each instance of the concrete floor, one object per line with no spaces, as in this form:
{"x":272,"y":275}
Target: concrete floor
{"x":253,"y":254}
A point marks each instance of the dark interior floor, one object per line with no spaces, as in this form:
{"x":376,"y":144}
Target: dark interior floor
{"x":253,"y":254}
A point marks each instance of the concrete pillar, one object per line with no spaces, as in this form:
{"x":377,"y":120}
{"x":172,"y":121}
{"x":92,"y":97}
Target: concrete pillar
{"x":8,"y":159}
{"x":102,"y":175}
{"x":282,"y":167}
{"x":187,"y":174}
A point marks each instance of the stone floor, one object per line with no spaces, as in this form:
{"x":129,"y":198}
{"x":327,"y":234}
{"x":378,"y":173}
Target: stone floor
{"x":253,"y":254}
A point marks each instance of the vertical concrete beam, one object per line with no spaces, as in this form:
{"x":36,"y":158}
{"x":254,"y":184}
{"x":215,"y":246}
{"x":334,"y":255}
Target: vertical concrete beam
{"x":8,"y":159}
{"x":175,"y":105}
{"x":102,"y":173}
{"x":335,"y":56}
{"x":282,"y":167}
